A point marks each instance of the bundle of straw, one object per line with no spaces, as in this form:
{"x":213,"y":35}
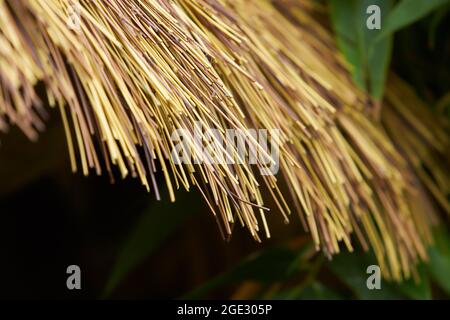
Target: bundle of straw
{"x":133,"y":71}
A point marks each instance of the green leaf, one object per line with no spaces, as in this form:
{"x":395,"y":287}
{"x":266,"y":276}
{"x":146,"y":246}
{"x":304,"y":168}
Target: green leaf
{"x":420,"y":290}
{"x":317,"y":291}
{"x":407,"y":12}
{"x":155,"y":225}
{"x":351,"y":269}
{"x":314,"y":291}
{"x":439,"y":265}
{"x":269,"y":265}
{"x":369,"y":59}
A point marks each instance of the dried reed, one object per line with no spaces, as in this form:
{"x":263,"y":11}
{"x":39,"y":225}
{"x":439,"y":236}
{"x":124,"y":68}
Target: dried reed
{"x":137,"y":70}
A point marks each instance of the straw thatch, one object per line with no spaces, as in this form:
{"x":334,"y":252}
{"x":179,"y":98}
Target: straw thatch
{"x":135,"y":71}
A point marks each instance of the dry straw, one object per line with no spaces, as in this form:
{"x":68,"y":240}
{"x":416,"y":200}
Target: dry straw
{"x":136,"y":70}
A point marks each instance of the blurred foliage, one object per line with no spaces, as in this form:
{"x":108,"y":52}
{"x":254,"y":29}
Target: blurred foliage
{"x":310,"y":278}
{"x":407,"y":12}
{"x":270,"y":265}
{"x":439,"y":266}
{"x":368,"y":58}
{"x":369,"y":51}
